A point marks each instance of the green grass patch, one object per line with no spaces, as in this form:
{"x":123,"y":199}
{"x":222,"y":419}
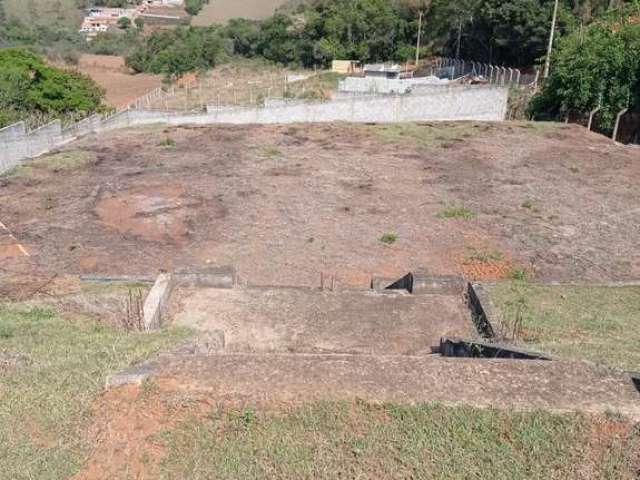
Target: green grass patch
{"x":463,"y":213}
{"x":388,"y":238}
{"x":19,"y":171}
{"x":599,"y":324}
{"x":329,"y":440}
{"x":56,"y":162}
{"x":69,"y":160}
{"x":271,"y":152}
{"x":426,"y":135}
{"x":45,"y":399}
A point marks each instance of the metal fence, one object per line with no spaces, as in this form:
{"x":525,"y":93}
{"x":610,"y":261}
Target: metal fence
{"x":452,"y":68}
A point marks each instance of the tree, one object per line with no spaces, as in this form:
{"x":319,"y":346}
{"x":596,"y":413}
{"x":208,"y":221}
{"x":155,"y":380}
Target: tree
{"x":29,"y":85}
{"x":600,"y":65}
{"x":174,"y":53}
{"x":504,"y":32}
{"x":193,"y":7}
{"x":139,"y":23}
{"x":124,"y":23}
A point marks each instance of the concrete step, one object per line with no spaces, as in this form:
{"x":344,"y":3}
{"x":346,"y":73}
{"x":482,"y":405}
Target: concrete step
{"x":519,"y":384}
{"x":306,"y":320}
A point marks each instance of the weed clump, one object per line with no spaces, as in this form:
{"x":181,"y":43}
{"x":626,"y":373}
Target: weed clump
{"x":388,"y":238}
{"x":463,"y":213}
{"x":167,"y":142}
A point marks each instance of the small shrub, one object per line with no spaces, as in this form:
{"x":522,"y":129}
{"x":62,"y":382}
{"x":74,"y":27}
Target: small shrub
{"x":528,"y":204}
{"x":388,"y":238}
{"x":167,"y":142}
{"x":271,"y":152}
{"x":457,"y":212}
{"x":519,"y":273}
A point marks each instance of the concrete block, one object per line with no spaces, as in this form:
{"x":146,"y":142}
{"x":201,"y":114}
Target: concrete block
{"x":156,"y":301}
{"x":209,"y":277}
{"x":132,"y":376}
{"x":423,"y":283}
{"x":380,"y":284}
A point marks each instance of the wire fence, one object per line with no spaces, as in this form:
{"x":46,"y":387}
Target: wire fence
{"x":452,"y":68}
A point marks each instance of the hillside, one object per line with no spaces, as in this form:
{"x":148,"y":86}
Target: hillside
{"x":221,"y":11}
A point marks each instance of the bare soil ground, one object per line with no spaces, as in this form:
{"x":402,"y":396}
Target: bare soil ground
{"x":120,"y":85}
{"x":221,"y":11}
{"x":283,"y":203}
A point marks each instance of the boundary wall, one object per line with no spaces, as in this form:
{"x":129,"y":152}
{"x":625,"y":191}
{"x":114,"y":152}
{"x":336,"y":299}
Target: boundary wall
{"x":434,"y":103}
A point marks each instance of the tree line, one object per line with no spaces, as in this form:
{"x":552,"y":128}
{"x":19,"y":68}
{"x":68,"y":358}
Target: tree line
{"x":596,"y":58}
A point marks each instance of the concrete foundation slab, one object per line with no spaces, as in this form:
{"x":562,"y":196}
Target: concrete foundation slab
{"x":312,"y":321}
{"x":501,"y":383}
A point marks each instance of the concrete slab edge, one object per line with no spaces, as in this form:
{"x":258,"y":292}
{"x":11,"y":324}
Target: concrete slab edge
{"x":134,"y":375}
{"x":222,"y":277}
{"x":458,"y":347}
{"x":156,"y":301}
{"x":482,"y":311}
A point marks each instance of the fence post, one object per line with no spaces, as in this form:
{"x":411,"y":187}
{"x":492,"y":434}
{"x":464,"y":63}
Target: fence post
{"x":591,"y":115}
{"x":614,"y":136}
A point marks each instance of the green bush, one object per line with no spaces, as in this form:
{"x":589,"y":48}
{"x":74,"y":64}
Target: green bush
{"x":177,"y":52}
{"x":193,"y":7}
{"x":600,"y":64}
{"x":29,"y":86}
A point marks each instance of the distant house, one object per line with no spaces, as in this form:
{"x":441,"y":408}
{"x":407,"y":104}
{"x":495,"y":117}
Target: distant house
{"x":163,"y":3}
{"x":99,"y":19}
{"x":346,"y":66}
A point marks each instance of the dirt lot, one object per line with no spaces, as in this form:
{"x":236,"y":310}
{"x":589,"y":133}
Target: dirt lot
{"x":111,"y":74}
{"x":221,"y":11}
{"x":283,"y":203}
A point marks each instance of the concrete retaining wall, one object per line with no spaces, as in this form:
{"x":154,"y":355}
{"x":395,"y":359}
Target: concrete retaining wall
{"x":434,"y":104}
{"x":12,"y":132}
{"x":28,"y":144}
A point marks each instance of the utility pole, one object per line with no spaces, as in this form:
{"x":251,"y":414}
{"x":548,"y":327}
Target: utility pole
{"x":459,"y":39}
{"x":418,"y":39}
{"x":547,"y":63}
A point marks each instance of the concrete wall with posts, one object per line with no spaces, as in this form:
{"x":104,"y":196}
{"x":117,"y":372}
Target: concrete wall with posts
{"x":430,"y":104}
{"x":435,"y":104}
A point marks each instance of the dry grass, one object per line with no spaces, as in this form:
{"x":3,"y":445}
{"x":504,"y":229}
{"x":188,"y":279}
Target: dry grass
{"x":247,"y":82}
{"x":221,"y":11}
{"x":55,"y":162}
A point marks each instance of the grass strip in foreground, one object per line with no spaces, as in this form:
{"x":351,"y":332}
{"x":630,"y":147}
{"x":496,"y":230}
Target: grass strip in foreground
{"x":358,"y":440}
